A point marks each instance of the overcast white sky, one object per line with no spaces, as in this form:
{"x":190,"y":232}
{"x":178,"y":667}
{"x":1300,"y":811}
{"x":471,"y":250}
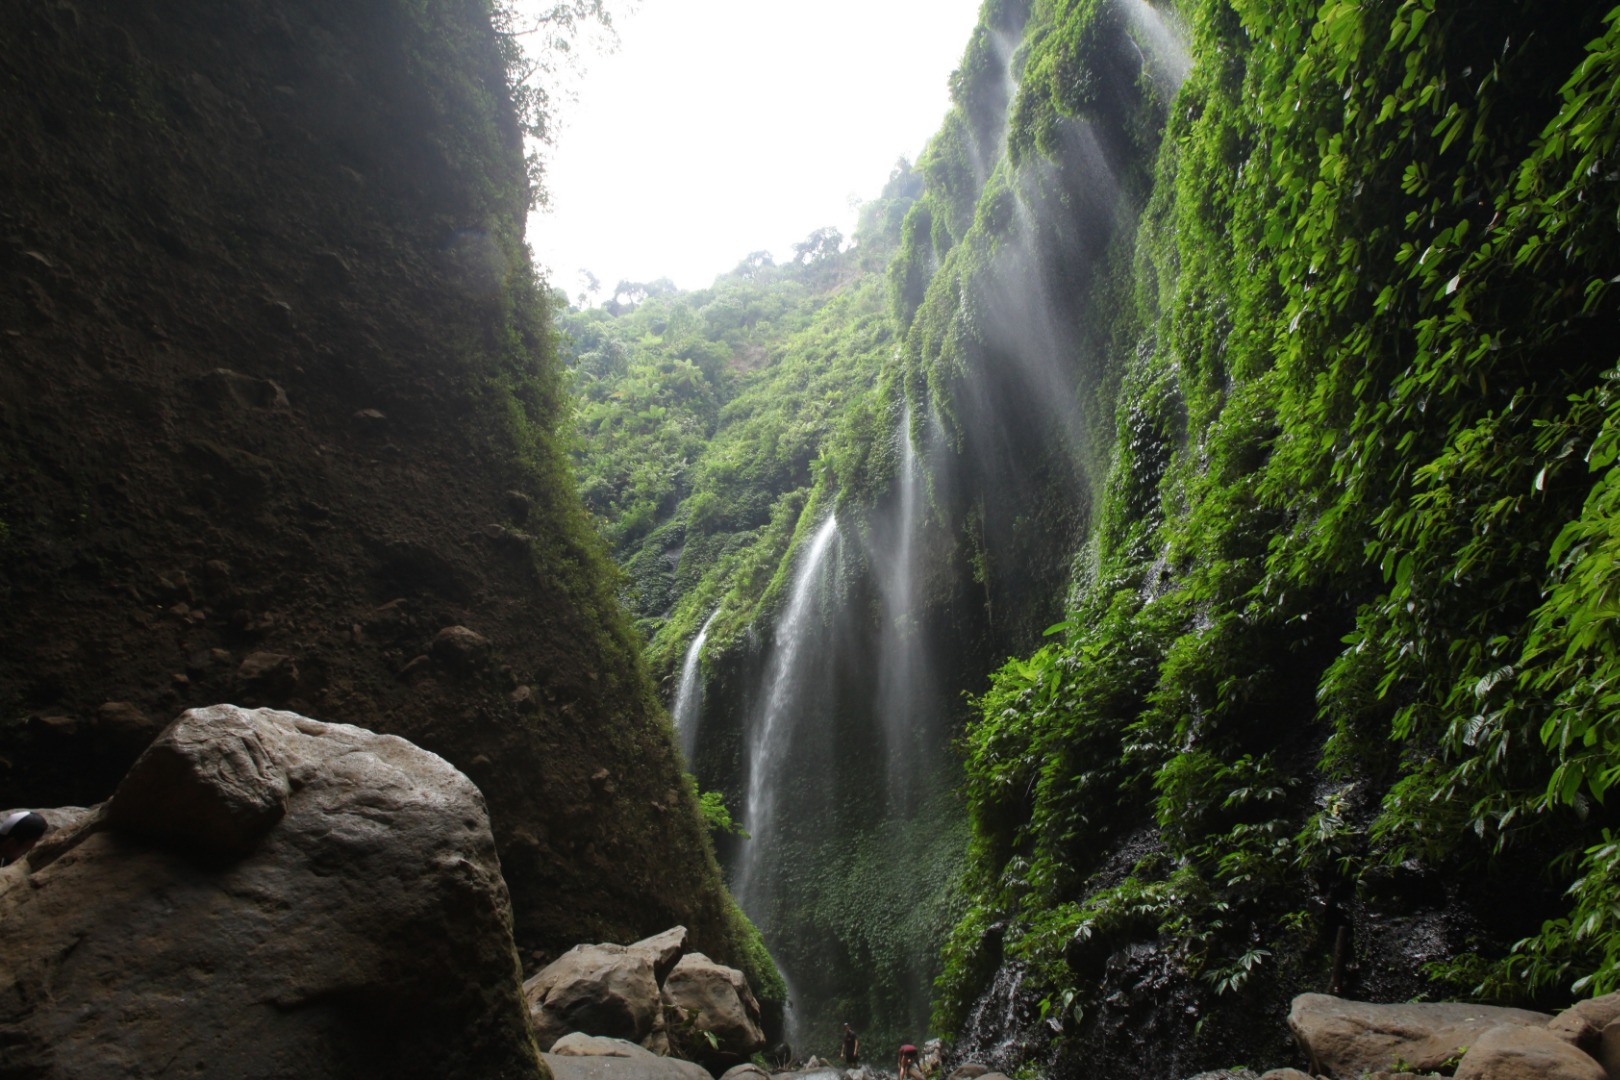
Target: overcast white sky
{"x":721,"y":127}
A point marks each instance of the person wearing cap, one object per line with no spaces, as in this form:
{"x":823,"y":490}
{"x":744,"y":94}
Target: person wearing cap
{"x":18,"y":835}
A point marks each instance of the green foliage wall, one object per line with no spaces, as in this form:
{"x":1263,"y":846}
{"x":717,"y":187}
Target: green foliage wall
{"x":1343,"y":604}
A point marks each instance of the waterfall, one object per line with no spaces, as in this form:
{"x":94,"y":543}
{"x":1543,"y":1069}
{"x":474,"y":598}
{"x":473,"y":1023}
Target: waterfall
{"x":904,"y":681}
{"x":835,"y":738}
{"x":769,"y":735}
{"x":688,"y":708}
{"x":1166,"y":43}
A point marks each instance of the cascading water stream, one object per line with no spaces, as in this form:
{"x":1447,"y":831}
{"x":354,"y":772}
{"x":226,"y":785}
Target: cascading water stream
{"x":1165,"y":39}
{"x":768,"y":736}
{"x":904,"y":681}
{"x":688,"y":708}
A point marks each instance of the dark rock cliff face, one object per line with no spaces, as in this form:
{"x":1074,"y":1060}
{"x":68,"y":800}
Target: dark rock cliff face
{"x":275,"y":407}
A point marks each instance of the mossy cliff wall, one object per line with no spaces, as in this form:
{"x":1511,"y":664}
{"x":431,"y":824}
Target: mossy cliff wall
{"x":277,"y":381}
{"x":1329,"y":708}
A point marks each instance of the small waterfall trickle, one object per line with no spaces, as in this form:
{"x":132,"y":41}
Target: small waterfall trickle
{"x":792,"y":1018}
{"x":996,"y":1026}
{"x":688,"y":707}
{"x":768,"y":738}
{"x":904,"y":681}
{"x":1166,"y":41}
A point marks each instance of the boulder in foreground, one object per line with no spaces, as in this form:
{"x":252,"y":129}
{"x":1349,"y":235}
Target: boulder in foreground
{"x":605,"y":990}
{"x":1516,"y":1052}
{"x":1347,"y":1038}
{"x":652,"y":1067}
{"x":266,"y":896}
{"x":716,"y":999}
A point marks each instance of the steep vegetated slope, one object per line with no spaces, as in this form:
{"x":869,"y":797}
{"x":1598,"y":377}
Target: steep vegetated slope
{"x":1328,"y":709}
{"x":1266,"y":348}
{"x":277,"y":408}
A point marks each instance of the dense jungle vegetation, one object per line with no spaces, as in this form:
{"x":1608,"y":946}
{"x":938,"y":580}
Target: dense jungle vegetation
{"x":1348,"y":605}
{"x":704,"y":419}
{"x":1338,"y":645}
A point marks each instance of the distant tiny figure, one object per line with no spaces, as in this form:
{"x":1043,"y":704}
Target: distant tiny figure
{"x":18,"y":835}
{"x":850,"y":1048}
{"x":908,"y":1063}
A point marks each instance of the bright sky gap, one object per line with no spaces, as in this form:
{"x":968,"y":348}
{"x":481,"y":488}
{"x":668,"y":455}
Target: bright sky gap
{"x":723,"y":127}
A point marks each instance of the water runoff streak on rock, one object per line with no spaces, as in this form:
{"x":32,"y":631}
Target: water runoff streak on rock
{"x":688,"y":708}
{"x":772,"y":730}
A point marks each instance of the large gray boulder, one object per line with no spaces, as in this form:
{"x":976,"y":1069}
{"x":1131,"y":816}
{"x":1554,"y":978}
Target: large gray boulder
{"x":577,"y":1044}
{"x":266,"y":896}
{"x":565,"y":1067}
{"x":213,"y":783}
{"x":1347,"y":1038}
{"x":716,"y":999}
{"x":607,"y":990}
{"x":1582,"y":1024}
{"x":1515,"y":1052}
{"x":663,"y":950}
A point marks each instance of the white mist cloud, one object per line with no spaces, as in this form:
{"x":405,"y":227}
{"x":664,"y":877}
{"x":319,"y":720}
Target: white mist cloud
{"x":721,"y":127}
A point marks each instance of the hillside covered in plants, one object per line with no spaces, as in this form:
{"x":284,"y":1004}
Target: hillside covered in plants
{"x":1260,"y":355}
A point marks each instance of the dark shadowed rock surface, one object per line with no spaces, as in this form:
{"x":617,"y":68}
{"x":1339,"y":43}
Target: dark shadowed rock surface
{"x":353,"y":911}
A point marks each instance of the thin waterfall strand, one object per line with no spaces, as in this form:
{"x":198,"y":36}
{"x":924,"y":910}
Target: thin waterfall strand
{"x":767,"y":737}
{"x":901,"y":668}
{"x":688,"y":710}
